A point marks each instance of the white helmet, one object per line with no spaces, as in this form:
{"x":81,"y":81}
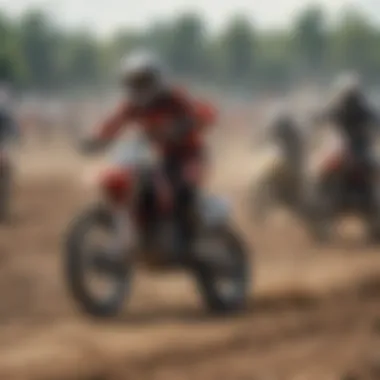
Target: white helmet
{"x":346,"y":84}
{"x":143,"y":76}
{"x":279,"y":111}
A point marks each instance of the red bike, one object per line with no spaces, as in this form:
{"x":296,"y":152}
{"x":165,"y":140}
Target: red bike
{"x":219,"y":262}
{"x":344,"y":185}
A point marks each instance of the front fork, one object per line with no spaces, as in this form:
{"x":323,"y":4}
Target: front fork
{"x":125,"y":236}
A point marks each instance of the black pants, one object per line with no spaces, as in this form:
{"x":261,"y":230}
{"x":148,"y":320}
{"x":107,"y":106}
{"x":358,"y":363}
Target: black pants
{"x":184,"y":193}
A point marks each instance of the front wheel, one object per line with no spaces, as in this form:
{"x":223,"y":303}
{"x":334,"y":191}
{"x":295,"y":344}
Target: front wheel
{"x":222,"y":270}
{"x":88,"y":261}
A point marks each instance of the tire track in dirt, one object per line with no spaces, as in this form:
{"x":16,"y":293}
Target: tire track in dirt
{"x":309,"y":308}
{"x":113,"y":352}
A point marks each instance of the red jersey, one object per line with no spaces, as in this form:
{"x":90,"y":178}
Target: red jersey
{"x":170,"y":109}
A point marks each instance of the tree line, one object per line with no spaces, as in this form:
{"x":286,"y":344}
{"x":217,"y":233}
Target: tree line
{"x":37,"y":54}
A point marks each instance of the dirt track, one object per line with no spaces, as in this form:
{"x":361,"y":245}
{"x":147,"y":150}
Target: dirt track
{"x":313,"y":313}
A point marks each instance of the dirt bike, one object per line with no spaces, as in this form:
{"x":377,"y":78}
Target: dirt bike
{"x":218,"y":263}
{"x":5,"y":185}
{"x":342,"y":187}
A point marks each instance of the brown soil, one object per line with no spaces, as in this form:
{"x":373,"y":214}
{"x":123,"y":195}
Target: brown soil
{"x":313,"y":313}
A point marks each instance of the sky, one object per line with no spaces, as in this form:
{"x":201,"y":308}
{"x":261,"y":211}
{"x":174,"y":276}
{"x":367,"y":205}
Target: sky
{"x":105,"y":16}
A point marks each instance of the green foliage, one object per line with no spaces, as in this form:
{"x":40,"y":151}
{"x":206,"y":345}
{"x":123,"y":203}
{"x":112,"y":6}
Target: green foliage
{"x":36,"y":54}
{"x":310,"y":40}
{"x":354,"y":42}
{"x":39,"y":43}
{"x":185,"y":49}
{"x":238,"y":51}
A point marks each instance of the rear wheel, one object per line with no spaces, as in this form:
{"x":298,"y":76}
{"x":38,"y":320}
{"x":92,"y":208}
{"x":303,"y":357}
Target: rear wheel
{"x":222,"y":270}
{"x":89,"y":267}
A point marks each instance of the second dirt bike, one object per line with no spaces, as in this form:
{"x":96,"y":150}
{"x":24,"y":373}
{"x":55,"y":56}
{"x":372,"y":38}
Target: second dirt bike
{"x":219,"y":261}
{"x":345,"y":185}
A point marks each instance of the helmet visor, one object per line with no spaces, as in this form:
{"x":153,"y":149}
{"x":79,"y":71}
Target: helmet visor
{"x":140,"y":82}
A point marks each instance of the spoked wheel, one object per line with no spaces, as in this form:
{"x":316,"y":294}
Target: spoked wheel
{"x":98,"y":278}
{"x":222,"y":270}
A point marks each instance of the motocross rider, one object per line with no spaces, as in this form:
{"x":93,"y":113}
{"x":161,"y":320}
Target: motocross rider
{"x":354,"y":119}
{"x":284,"y":132}
{"x":174,"y":123}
